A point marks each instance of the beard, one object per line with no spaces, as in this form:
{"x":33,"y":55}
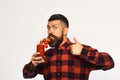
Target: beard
{"x":54,"y":40}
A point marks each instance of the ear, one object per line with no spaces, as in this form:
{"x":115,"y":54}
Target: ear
{"x":65,"y":31}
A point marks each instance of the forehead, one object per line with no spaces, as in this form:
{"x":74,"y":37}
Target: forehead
{"x":55,"y":22}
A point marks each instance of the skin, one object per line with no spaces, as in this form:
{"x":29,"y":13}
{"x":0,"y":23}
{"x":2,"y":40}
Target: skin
{"x":58,"y":28}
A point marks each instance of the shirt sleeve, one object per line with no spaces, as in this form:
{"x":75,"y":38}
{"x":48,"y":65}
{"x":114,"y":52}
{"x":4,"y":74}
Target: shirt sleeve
{"x":99,"y":60}
{"x":30,"y":71}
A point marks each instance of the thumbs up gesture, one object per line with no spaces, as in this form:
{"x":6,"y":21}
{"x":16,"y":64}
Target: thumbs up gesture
{"x":76,"y":48}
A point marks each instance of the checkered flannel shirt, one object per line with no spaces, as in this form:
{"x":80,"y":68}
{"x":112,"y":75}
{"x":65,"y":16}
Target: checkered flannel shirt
{"x":60,"y":64}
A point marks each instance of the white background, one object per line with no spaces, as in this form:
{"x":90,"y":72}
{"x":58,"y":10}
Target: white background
{"x":23,"y":24}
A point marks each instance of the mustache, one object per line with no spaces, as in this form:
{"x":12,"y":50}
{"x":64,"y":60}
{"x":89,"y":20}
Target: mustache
{"x":51,"y":35}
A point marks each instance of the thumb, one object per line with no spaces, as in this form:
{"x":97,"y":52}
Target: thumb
{"x":75,"y":40}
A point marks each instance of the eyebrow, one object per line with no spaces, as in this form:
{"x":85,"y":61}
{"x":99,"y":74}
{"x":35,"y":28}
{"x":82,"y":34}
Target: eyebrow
{"x":52,"y":25}
{"x":48,"y":26}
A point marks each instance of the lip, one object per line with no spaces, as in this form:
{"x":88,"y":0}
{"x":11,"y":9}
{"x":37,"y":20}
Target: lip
{"x":51,"y":37}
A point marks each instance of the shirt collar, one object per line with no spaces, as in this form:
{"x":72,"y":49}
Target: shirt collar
{"x":65,"y":46}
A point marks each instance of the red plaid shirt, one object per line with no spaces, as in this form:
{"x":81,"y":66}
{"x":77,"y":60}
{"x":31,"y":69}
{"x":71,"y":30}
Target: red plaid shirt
{"x":60,"y":64}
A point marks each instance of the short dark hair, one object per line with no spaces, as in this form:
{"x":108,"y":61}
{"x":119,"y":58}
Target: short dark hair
{"x":59,"y":17}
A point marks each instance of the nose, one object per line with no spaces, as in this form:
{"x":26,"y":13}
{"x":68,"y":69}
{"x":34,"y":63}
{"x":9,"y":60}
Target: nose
{"x":50,"y":30}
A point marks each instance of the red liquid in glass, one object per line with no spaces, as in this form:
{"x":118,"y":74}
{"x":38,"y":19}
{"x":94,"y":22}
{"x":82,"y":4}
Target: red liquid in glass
{"x":43,"y":44}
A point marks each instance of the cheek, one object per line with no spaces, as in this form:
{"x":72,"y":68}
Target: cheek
{"x":59,"y":33}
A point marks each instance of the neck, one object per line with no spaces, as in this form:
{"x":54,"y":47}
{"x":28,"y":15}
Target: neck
{"x":64,"y":40}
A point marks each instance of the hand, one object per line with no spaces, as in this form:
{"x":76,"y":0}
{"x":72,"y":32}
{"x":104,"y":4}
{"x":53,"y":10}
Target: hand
{"x":76,"y":47}
{"x":37,"y":59}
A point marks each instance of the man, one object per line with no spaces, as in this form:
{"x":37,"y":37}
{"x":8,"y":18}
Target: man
{"x":66,"y":60}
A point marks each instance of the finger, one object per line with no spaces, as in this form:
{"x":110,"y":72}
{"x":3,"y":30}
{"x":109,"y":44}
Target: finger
{"x":38,"y":62}
{"x":36,"y":54}
{"x":75,"y":40}
{"x":41,"y":59}
{"x":71,"y":48}
{"x":38,"y":59}
{"x":35,"y":58}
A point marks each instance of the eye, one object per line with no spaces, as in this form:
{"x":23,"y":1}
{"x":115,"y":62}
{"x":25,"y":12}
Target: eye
{"x":48,"y":27}
{"x":54,"y":27}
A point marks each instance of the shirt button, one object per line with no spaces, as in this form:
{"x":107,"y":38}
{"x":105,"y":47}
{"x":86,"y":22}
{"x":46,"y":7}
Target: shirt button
{"x":58,"y":74}
{"x":59,"y":54}
{"x":58,"y":63}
